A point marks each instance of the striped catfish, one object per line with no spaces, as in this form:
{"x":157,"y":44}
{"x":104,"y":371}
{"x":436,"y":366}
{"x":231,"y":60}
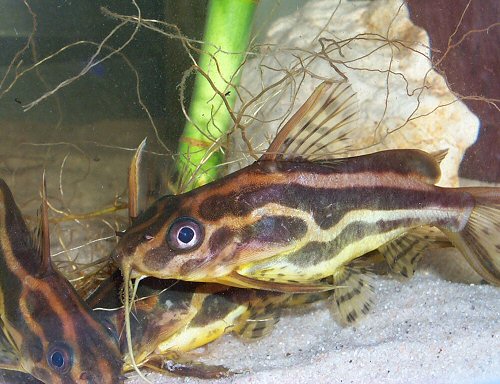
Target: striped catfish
{"x":298,"y":218}
{"x":53,"y":335}
{"x":171,"y":318}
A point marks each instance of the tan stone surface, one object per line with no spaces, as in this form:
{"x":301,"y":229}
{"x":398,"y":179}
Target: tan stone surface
{"x":408,"y":107}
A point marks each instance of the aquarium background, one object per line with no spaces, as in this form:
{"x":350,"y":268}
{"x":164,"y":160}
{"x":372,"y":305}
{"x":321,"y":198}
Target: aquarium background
{"x":426,"y":330}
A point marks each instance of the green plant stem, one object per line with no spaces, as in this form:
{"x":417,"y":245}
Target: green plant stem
{"x":227,"y":32}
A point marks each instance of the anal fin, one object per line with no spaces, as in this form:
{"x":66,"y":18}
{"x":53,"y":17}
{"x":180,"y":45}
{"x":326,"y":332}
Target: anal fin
{"x":404,"y":253}
{"x":236,"y":280}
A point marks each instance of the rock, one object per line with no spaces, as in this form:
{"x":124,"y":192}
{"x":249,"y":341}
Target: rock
{"x":403,"y":102}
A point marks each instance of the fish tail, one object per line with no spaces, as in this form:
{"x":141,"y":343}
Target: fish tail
{"x":479,"y":240}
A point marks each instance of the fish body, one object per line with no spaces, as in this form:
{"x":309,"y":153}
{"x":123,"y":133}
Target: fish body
{"x":301,"y":220}
{"x":170,"y":318}
{"x":53,"y":334}
{"x":298,"y":219}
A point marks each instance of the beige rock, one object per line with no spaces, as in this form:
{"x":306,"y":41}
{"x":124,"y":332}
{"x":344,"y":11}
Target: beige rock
{"x":403,"y":102}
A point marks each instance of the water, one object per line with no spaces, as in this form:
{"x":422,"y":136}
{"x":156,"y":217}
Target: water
{"x":84,"y":135}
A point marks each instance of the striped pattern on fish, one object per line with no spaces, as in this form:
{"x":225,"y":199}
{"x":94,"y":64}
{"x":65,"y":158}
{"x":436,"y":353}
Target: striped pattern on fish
{"x":53,"y":333}
{"x":298,"y":217}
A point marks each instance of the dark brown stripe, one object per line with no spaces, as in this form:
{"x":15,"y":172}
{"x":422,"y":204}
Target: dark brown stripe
{"x":274,"y":230}
{"x":41,"y":313}
{"x":328,"y":206}
{"x":220,"y":239}
{"x":215,"y":307}
{"x":157,"y":258}
{"x":150,"y":222}
{"x":404,"y":162}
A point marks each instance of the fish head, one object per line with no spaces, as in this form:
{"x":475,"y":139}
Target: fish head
{"x":163,"y":240}
{"x":64,"y":342}
{"x":209,"y":232}
{"x":182,"y":237}
{"x":55,"y":335}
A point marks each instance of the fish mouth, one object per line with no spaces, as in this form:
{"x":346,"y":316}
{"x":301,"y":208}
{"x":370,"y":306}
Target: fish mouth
{"x":124,"y":263}
{"x":135,"y":274}
{"x":117,"y":256}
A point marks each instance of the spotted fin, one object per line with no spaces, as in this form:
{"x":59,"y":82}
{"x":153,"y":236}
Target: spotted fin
{"x":479,"y":240}
{"x":259,"y":324}
{"x":321,"y":126}
{"x":404,"y":253}
{"x":354,"y":297}
{"x":375,"y":262}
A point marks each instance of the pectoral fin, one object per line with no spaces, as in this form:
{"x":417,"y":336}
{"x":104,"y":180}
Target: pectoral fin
{"x":259,"y":324}
{"x":9,"y":358}
{"x":188,"y":368}
{"x":237,"y":280}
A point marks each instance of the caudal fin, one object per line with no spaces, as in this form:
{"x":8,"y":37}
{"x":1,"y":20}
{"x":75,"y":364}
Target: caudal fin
{"x":479,"y":241}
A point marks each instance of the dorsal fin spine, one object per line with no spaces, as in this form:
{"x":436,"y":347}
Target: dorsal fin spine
{"x":318,"y":127}
{"x":45,"y":262}
{"x":133,"y":181}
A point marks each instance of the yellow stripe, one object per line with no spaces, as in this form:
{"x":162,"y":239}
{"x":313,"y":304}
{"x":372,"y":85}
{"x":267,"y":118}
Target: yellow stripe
{"x":193,"y":337}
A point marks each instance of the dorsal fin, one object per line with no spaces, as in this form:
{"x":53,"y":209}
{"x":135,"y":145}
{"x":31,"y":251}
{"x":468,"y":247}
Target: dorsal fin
{"x":43,"y":240}
{"x":319,"y":129}
{"x":145,"y":180}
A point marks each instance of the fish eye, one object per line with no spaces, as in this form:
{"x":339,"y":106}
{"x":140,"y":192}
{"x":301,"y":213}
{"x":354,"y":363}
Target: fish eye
{"x":184,"y":234}
{"x":111,"y":330}
{"x":60,"y":357}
